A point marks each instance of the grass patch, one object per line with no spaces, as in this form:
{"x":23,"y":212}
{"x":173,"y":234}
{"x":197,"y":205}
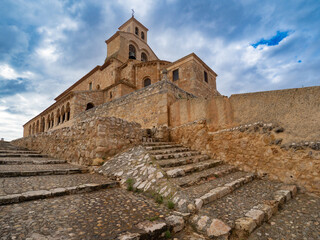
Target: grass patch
{"x":170,"y":204}
{"x":167,"y":234}
{"x":130,"y":183}
{"x":153,"y":218}
{"x":158,"y":198}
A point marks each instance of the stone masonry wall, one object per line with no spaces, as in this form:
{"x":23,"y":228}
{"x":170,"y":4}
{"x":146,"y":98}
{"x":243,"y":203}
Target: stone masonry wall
{"x":256,"y":147}
{"x":92,"y":138}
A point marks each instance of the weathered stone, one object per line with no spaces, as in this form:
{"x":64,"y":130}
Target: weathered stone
{"x":198,"y":203}
{"x":152,"y":227}
{"x":176,"y":222}
{"x":256,"y":215}
{"x":202,"y":222}
{"x":245,"y":224}
{"x":217,"y":229}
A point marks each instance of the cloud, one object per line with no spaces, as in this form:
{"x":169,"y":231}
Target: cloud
{"x":7,"y":72}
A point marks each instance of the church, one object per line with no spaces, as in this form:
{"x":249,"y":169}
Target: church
{"x":130,"y":65}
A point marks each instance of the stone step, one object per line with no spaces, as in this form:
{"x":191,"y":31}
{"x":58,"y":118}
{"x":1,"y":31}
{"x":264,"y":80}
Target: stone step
{"x":37,"y":170}
{"x":23,"y":155}
{"x":158,"y":147}
{"x":176,"y":155}
{"x":239,"y":212}
{"x":18,"y":152}
{"x":9,"y":161}
{"x":190,"y":168}
{"x":183,"y":161}
{"x":169,"y":150}
{"x":40,"y":194}
{"x":208,"y":179}
{"x":157,"y":143}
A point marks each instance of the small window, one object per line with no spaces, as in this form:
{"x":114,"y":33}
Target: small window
{"x":137,"y":31}
{"x":146,"y":82}
{"x":205,"y":76}
{"x":175,"y":75}
{"x":90,"y":86}
{"x":144,"y":57}
{"x":89,"y":106}
{"x":110,"y":95}
{"x":98,"y":87}
{"x":142,"y":35}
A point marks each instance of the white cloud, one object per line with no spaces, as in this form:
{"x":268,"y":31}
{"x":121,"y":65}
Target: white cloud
{"x":9,"y":73}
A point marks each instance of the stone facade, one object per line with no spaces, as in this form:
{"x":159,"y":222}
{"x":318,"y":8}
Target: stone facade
{"x":257,"y":148}
{"x":130,"y":65}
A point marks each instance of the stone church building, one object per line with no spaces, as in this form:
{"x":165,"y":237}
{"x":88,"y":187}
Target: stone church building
{"x":130,"y":65}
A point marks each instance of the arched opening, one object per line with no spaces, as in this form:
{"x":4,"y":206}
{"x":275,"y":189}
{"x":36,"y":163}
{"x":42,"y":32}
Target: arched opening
{"x":43,"y":122}
{"x":33,"y":128}
{"x":29,"y":130}
{"x":37,"y":126}
{"x":52,"y":120}
{"x":142,"y":35}
{"x":98,"y":87}
{"x":146,"y":82}
{"x":58,"y":116}
{"x":63,"y":115}
{"x":132,"y":52}
{"x":144,"y":57}
{"x":89,"y":106}
{"x":137,"y":31}
{"x":68,"y":111}
{"x":48,"y":122}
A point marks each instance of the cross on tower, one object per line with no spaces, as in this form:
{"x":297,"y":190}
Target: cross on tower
{"x":132,"y":12}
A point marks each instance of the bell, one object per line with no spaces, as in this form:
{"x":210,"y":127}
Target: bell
{"x":132,"y":55}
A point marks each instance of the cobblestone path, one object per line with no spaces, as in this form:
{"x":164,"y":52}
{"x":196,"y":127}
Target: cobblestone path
{"x":66,"y":206}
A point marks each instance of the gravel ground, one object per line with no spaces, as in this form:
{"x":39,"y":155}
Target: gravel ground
{"x":99,"y":215}
{"x":298,"y":220}
{"x":14,"y":185}
{"x":236,"y":204}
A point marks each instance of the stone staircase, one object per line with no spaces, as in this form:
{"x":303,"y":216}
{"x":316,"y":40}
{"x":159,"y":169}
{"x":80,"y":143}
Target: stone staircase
{"x":225,"y":203}
{"x":28,"y":175}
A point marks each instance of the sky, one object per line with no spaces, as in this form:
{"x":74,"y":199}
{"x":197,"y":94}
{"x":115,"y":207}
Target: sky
{"x":253,"y":45}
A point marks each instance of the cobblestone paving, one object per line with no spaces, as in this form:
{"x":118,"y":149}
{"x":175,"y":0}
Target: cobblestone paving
{"x":237,"y":203}
{"x":98,"y":215}
{"x":298,"y":220}
{"x":17,"y":168}
{"x":14,"y":185}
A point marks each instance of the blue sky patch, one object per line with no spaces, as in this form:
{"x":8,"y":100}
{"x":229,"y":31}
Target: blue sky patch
{"x":275,"y":40}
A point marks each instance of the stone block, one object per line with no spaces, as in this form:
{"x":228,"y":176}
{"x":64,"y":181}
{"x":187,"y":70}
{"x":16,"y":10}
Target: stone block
{"x":245,"y":224}
{"x":256,"y":215}
{"x":218,"y":229}
{"x":267,"y":209}
{"x":202,"y":222}
{"x":176,"y":173}
{"x":8,"y":199}
{"x":176,"y":222}
{"x":292,"y":188}
{"x":198,"y":202}
{"x":152,"y":227}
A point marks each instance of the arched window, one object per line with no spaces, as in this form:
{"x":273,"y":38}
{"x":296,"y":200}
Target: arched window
{"x":98,"y":87}
{"x":68,"y":111}
{"x":89,"y":106}
{"x":48,"y":122}
{"x":58,"y":117}
{"x":63,"y":115}
{"x":33,"y":128}
{"x":43,"y":123}
{"x":132,"y":52}
{"x":52,"y":120}
{"x":37,"y":126}
{"x":29,"y":130}
{"x":144,"y":57}
{"x":137,"y":31}
{"x":146,"y":82}
{"x":142,"y":35}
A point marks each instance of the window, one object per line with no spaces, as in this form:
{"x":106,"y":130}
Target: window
{"x":146,"y":82}
{"x":144,"y":57}
{"x":89,"y":106}
{"x":90,"y":86}
{"x":110,"y":95}
{"x":142,"y":35}
{"x":175,"y":75}
{"x":132,"y":52}
{"x":98,"y":87}
{"x":205,"y":76}
{"x":137,"y":31}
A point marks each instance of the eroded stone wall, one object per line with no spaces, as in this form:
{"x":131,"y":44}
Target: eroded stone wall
{"x":91,"y":137}
{"x":256,"y":147}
